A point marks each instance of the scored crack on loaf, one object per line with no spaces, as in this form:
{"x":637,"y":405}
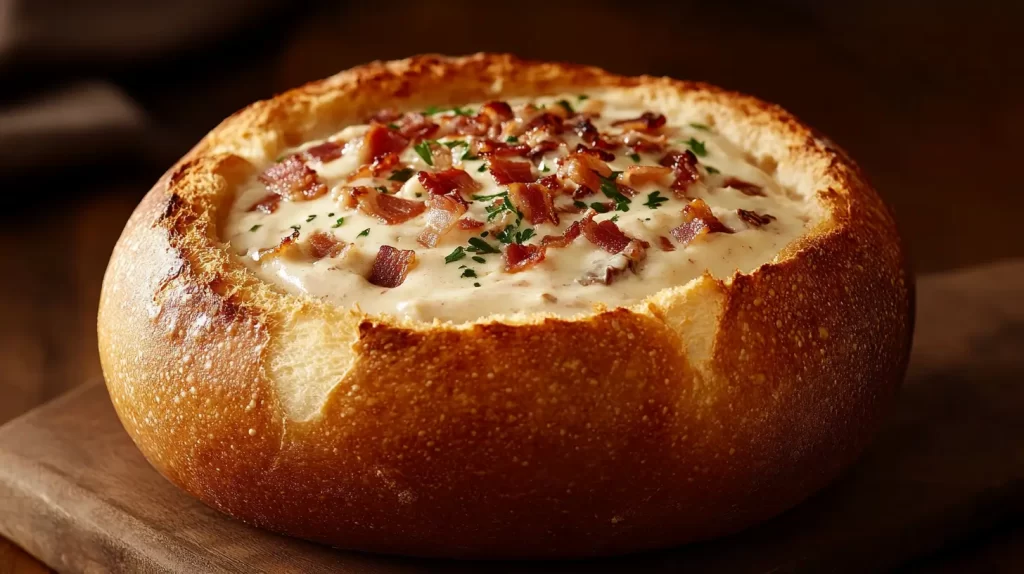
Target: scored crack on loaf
{"x":679,"y":414}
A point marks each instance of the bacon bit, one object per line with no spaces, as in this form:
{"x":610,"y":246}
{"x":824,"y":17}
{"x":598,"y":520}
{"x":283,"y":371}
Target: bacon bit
{"x":546,"y":122}
{"x":643,"y":144}
{"x":543,"y":147}
{"x":634,"y":254}
{"x":497,"y":112}
{"x":391,"y":266}
{"x":506,"y":171}
{"x":519,"y":257}
{"x":648,"y":121}
{"x":754,"y":219}
{"x":286,"y":243}
{"x":415,"y":126}
{"x":568,"y":236}
{"x":744,"y":187}
{"x":324,"y":152}
{"x":463,"y":125}
{"x":383,"y":163}
{"x":605,"y":234}
{"x":580,"y":168}
{"x":570,"y":208}
{"x":448,"y":181}
{"x":380,"y":140}
{"x":684,"y":164}
{"x":443,"y":212}
{"x":267,"y":205}
{"x":698,"y":220}
{"x":467,"y":223}
{"x":490,"y":148}
{"x":665,"y":243}
{"x":598,"y":153}
{"x":389,"y":209}
{"x":325,"y":245}
{"x":293,"y":180}
{"x":551,"y":182}
{"x":387,"y":115}
{"x":534,"y":201}
{"x":587,"y":132}
{"x":637,"y":175}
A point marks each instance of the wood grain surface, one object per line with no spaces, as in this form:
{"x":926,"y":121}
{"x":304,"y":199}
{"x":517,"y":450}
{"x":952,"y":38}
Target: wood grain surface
{"x":947,"y":464}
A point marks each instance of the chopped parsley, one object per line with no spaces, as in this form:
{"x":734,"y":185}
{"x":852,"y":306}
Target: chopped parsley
{"x":423,"y":150}
{"x":454,"y":144}
{"x":567,"y":106}
{"x":701,"y":127}
{"x":611,"y":190}
{"x":599,"y":207}
{"x":393,"y":126}
{"x":255,"y":227}
{"x":478,"y":259}
{"x":579,"y":204}
{"x":418,"y":194}
{"x":582,"y":97}
{"x":296,"y":227}
{"x":338,"y":223}
{"x":482,"y":168}
{"x":635,"y":157}
{"x":432,"y":110}
{"x":510,"y":235}
{"x":383,"y":189}
{"x":697,"y":147}
{"x":476,"y":284}
{"x":331,"y":214}
{"x":512,"y":139}
{"x":467,"y":272}
{"x":364,"y":232}
{"x":454,"y":256}
{"x":460,"y":111}
{"x":484,"y":234}
{"x":310,"y":218}
{"x":711,"y":169}
{"x":478,"y":245}
{"x":401,"y":175}
{"x":615,"y":217}
{"x":654,"y":200}
{"x":492,"y":196}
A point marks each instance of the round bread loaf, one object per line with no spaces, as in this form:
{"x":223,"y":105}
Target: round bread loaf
{"x":605,"y":390}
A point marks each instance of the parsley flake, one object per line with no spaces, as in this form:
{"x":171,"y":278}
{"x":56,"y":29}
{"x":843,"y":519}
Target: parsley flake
{"x":567,"y":106}
{"x":580,"y":204}
{"x":454,"y":144}
{"x":476,"y":284}
{"x":364,"y":232}
{"x":484,"y":234}
{"x":611,"y":190}
{"x":711,"y":169}
{"x":338,"y":223}
{"x":383,"y":189}
{"x":582,"y":97}
{"x":701,"y":127}
{"x":454,"y":256}
{"x":401,"y":175}
{"x":482,"y":168}
{"x":431,"y":110}
{"x":480,"y":246}
{"x":296,"y":227}
{"x":599,"y":207}
{"x":654,"y":200}
{"x":635,"y":157}
{"x":423,"y":150}
{"x":512,"y":139}
{"x":393,"y":126}
{"x":255,"y":227}
{"x":310,"y":218}
{"x":467,"y":272}
{"x":331,"y":214}
{"x":615,"y":217}
{"x":479,"y":259}
{"x":697,"y":147}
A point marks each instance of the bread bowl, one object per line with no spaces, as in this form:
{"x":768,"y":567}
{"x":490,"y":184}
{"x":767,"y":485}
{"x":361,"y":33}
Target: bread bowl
{"x":568,"y":399}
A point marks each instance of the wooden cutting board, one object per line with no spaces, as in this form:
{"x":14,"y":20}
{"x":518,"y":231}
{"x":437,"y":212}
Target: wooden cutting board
{"x":76,"y":493}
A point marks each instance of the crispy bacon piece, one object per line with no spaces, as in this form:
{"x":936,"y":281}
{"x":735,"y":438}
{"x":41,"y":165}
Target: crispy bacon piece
{"x":491,"y":148}
{"x":389,"y":209}
{"x":380,"y":140}
{"x":744,"y":187}
{"x":469,"y":223}
{"x":325,"y":245}
{"x":598,"y":153}
{"x":641,"y":143}
{"x":443,"y":213}
{"x":632,"y":257}
{"x":665,"y":243}
{"x":293,"y":180}
{"x":448,"y":181}
{"x":698,"y":220}
{"x":605,"y":234}
{"x":383,"y":163}
{"x":637,"y":175}
{"x":755,"y":219}
{"x":542,"y":147}
{"x":647,"y":122}
{"x":519,"y":257}
{"x":684,"y":164}
{"x":534,"y":201}
{"x":267,"y":205}
{"x":385,"y":116}
{"x":546,"y":121}
{"x":287,"y":242}
{"x":391,"y":266}
{"x":325,"y":152}
{"x":568,"y":236}
{"x":463,"y":125}
{"x":415,"y":126}
{"x":581,"y":192}
{"x":551,"y":182}
{"x":506,"y":171}
{"x":497,"y":112}
{"x":587,"y":132}
{"x":583,"y":169}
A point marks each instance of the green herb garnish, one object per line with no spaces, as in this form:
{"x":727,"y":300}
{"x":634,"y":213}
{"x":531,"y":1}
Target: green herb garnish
{"x":611,"y":190}
{"x":599,"y":207}
{"x":454,"y":256}
{"x":615,"y":217}
{"x":310,"y":218}
{"x":255,"y":227}
{"x":338,"y":223}
{"x":512,"y":139}
{"x":423,"y":150}
{"x":478,"y":245}
{"x":701,"y":127}
{"x":476,"y":284}
{"x":402,"y":175}
{"x":582,"y":97}
{"x":482,"y":168}
{"x":635,"y":157}
{"x":454,"y":144}
{"x":431,"y":110}
{"x":568,"y":108}
{"x":711,"y":169}
{"x":364,"y":232}
{"x":296,"y":227}
{"x":580,"y":204}
{"x":393,"y":126}
{"x":654,"y":200}
{"x":479,"y":259}
{"x":383,"y":189}
{"x":697,"y":147}
{"x":331,"y":214}
{"x":467,"y":272}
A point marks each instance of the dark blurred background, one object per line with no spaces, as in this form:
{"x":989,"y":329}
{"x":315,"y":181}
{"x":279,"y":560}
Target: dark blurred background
{"x":98,"y":98}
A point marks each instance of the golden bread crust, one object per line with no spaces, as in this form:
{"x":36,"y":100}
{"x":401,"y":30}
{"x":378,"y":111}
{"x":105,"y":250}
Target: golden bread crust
{"x":695,"y":413}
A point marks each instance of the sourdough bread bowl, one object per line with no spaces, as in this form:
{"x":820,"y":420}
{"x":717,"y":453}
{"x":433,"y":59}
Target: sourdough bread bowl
{"x":710,"y":383}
